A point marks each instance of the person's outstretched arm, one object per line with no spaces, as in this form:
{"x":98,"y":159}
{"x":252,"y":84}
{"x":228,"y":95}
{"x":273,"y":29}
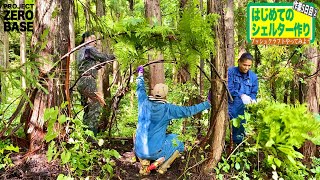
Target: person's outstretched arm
{"x":93,"y":53}
{"x":141,"y":89}
{"x":176,"y":112}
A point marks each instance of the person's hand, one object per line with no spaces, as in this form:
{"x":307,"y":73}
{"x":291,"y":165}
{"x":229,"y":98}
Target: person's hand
{"x":209,"y":96}
{"x":245,"y":99}
{"x":111,"y":57}
{"x":140,"y":70}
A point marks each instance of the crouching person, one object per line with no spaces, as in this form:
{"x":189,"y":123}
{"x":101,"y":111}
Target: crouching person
{"x":154,"y":115}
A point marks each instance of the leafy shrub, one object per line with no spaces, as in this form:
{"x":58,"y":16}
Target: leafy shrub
{"x":279,"y":130}
{"x":6,"y":148}
{"x":78,"y":154}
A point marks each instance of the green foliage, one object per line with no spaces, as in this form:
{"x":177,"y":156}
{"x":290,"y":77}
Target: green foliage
{"x":6,"y":148}
{"x":237,"y":166}
{"x":279,"y":130}
{"x":315,"y":169}
{"x":77,"y":153}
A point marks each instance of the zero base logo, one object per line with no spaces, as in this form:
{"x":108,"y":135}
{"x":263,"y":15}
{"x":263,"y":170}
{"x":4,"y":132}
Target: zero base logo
{"x":17,"y":17}
{"x":281,"y":23}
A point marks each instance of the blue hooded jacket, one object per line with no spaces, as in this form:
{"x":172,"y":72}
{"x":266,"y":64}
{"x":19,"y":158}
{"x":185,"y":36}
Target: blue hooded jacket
{"x":151,"y":141}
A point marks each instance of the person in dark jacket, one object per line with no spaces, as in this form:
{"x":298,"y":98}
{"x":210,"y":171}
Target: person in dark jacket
{"x":154,"y":115}
{"x":91,"y":100}
{"x":243,"y":86}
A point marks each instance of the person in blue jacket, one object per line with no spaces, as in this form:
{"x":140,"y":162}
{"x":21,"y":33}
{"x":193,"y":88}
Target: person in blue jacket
{"x":243,"y":87}
{"x":154,"y":115}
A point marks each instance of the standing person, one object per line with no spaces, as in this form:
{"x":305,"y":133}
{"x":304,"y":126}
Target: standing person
{"x":243,"y":86}
{"x":154,"y":115}
{"x":91,"y":100}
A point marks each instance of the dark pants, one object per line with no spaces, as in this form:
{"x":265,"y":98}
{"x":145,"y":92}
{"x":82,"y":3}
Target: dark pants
{"x":87,"y":87}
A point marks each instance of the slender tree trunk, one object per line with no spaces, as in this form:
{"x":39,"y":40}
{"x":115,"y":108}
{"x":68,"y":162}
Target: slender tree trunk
{"x":56,"y":45}
{"x":257,"y":57}
{"x":105,"y":72}
{"x":201,"y":82}
{"x":86,"y":12}
{"x":241,"y":25}
{"x":152,"y":10}
{"x":1,"y":58}
{"x":4,"y":64}
{"x":73,"y":68}
{"x":131,"y":5}
{"x":313,"y":99}
{"x":219,"y":112}
{"x":22,"y":49}
{"x":229,"y":19}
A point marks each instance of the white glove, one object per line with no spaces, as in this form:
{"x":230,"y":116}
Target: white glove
{"x":246,"y":99}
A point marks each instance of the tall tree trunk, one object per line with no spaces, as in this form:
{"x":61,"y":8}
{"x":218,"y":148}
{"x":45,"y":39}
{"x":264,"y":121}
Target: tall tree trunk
{"x":241,"y":25}
{"x":313,"y":99}
{"x":183,"y":75}
{"x":22,"y":49}
{"x":86,"y":12}
{"x":56,"y":46}
{"x":257,"y":57}
{"x":219,"y":111}
{"x":1,"y":58}
{"x":152,"y":10}
{"x":101,"y":11}
{"x":229,"y":18}
{"x":73,"y":69}
{"x":131,"y":5}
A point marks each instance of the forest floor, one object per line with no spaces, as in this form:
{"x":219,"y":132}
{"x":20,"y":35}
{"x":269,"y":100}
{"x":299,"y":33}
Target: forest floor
{"x":36,"y":166}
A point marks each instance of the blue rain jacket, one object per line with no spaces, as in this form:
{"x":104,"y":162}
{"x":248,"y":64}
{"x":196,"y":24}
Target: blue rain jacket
{"x":238,"y":84}
{"x":151,"y":141}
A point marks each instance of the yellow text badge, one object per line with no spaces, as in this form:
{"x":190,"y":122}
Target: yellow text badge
{"x":278,"y":23}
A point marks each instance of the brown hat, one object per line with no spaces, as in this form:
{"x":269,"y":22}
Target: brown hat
{"x":160,"y":91}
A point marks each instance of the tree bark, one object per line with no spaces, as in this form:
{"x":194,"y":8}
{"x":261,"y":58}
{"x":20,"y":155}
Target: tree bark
{"x":313,"y":99}
{"x":241,"y":25}
{"x":229,"y":19}
{"x":219,"y":111}
{"x":1,"y":58}
{"x":152,"y":11}
{"x":105,"y":83}
{"x":56,"y":46}
{"x":86,"y":12}
{"x":73,"y":69}
{"x":22,"y":49}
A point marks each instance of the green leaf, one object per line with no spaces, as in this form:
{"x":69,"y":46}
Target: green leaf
{"x":12,"y":148}
{"x":62,"y":119}
{"x":277,"y":162}
{"x":65,"y":156}
{"x":270,"y":143}
{"x":50,"y":136}
{"x":237,"y":166}
{"x":51,"y":151}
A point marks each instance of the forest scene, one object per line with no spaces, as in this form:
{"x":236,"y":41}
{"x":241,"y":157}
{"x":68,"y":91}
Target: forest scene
{"x":78,"y":86}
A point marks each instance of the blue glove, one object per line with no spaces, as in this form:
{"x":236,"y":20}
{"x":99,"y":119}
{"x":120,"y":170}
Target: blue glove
{"x":140,"y":70}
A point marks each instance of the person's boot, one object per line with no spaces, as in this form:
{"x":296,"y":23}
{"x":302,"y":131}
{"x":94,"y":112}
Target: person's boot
{"x":144,"y":167}
{"x":163,"y":168}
